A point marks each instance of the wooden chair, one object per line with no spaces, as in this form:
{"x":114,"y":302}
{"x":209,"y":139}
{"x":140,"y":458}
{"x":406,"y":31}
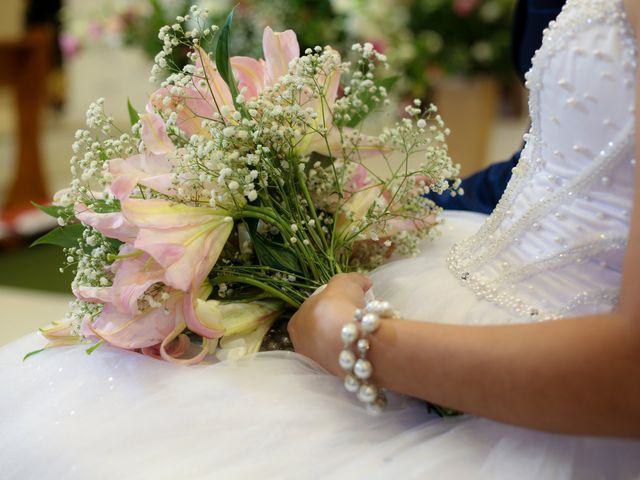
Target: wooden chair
{"x":24,"y":64}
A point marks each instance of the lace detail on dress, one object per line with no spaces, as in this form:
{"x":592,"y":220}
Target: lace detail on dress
{"x":553,"y":247}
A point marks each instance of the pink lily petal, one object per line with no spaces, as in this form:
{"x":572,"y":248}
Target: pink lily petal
{"x":192,"y":107}
{"x":128,"y":331}
{"x":112,"y":225}
{"x":85,"y":329}
{"x":152,"y":171}
{"x":359,"y":179}
{"x":279,"y":49}
{"x":164,"y":352}
{"x":186,"y":241}
{"x":133,"y":276}
{"x":215,"y":86}
{"x":174,"y":349}
{"x":250,"y":75}
{"x":154,"y":134}
{"x":92,"y":294}
{"x":198,"y":318}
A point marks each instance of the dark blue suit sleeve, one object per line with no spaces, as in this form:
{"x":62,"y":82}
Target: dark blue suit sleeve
{"x":484,"y":189}
{"x":481,"y":190}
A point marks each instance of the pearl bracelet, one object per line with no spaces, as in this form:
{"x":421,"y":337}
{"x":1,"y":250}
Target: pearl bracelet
{"x":365,"y":322}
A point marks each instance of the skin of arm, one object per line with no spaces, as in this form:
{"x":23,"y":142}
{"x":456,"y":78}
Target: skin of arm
{"x":577,"y":375}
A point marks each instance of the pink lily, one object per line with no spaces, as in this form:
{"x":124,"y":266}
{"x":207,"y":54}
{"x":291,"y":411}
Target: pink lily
{"x":145,"y":329}
{"x":149,"y":170}
{"x":236,"y":318}
{"x":186,"y":241}
{"x":190,"y":107}
{"x":209,"y":93}
{"x":154,"y":134}
{"x":135,"y":272}
{"x":279,"y":49}
{"x":112,"y":225}
{"x":174,"y":349}
{"x":155,"y":326}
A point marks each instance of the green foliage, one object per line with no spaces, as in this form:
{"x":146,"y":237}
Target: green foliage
{"x":134,"y":117}
{"x":271,"y":253}
{"x":447,"y":41}
{"x":65,"y":237}
{"x":222,"y":58}
{"x":275,"y":255}
{"x":31,"y":354}
{"x":55,"y":211}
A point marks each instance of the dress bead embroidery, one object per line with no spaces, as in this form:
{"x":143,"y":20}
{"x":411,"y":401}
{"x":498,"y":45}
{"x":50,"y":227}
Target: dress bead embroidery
{"x":497,"y":263}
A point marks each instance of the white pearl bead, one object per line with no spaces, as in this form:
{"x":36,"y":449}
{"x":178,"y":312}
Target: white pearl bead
{"x":349,"y":333}
{"x":376,"y":407}
{"x":363,"y":346}
{"x":347,"y":359}
{"x":367,"y":393}
{"x":351,"y":383}
{"x":382,"y":308}
{"x":363,"y":369}
{"x":370,"y":322}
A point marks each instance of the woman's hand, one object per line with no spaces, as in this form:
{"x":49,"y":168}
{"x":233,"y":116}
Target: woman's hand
{"x":315,"y":327}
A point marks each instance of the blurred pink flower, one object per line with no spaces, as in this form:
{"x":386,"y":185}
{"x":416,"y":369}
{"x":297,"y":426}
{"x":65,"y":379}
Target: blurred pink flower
{"x":95,"y":30}
{"x":464,"y":7}
{"x":69,"y":45}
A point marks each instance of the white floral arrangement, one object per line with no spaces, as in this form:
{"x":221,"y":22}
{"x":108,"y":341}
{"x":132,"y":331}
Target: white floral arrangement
{"x":244,"y":186}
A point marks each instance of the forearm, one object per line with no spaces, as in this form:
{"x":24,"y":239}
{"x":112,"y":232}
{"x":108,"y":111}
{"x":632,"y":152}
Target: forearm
{"x":573,"y":376}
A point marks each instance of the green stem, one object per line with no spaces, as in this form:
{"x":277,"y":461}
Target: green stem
{"x":314,"y":214}
{"x":256,"y":283}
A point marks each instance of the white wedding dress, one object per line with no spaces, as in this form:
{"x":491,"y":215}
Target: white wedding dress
{"x":553,"y":248}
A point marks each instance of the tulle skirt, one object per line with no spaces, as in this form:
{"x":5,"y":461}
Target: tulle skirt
{"x":116,"y":414}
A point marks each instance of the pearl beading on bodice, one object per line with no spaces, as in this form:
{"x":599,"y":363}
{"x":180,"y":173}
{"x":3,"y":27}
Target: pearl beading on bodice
{"x":554,"y":245}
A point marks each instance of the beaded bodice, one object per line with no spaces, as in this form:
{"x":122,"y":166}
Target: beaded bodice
{"x":554,"y":245}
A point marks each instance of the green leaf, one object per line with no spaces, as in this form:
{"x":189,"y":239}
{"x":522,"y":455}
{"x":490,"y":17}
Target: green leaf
{"x":94,"y":347}
{"x":133,"y":114}
{"x":275,"y":255}
{"x":222,"y":58}
{"x":369,"y":102}
{"x":31,"y":354}
{"x":270,"y":253}
{"x":64,"y":237}
{"x":55,"y":211}
{"x":101,"y":206}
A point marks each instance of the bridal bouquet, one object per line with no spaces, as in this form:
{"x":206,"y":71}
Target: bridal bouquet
{"x":243,"y":187}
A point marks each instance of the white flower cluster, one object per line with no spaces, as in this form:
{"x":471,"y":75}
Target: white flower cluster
{"x":289,"y":164}
{"x":90,"y":260}
{"x":92,"y":149}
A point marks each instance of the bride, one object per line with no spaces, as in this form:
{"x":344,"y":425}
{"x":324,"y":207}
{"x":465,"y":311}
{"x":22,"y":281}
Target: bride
{"x":530,"y":319}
